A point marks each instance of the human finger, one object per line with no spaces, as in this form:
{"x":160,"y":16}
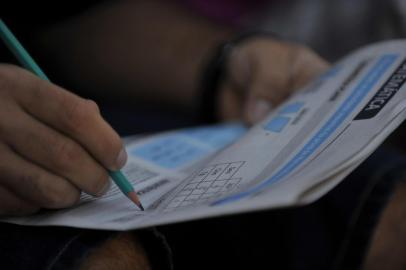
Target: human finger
{"x":56,"y":153}
{"x":33,"y":183}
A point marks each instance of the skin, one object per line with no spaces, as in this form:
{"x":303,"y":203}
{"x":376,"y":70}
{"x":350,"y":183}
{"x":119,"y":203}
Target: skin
{"x":50,"y":150}
{"x":262,"y":73}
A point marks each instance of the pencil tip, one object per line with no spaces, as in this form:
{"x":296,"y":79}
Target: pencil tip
{"x":134,"y":198}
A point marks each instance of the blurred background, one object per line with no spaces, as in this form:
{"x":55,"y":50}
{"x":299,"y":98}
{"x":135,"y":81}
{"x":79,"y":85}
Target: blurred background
{"x":332,"y":27}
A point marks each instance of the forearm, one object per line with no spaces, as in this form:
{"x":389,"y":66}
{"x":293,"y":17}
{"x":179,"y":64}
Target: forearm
{"x":145,"y":50}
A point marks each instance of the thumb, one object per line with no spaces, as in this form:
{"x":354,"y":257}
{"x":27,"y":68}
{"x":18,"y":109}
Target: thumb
{"x":240,"y":75}
{"x":255,"y":109}
{"x":239,"y":68}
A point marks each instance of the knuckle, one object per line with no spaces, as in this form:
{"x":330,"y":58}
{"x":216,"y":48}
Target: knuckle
{"x":29,"y":179}
{"x":115,"y":146}
{"x":77,"y":113}
{"x":8,"y":111}
{"x":50,"y":200}
{"x":43,"y":194}
{"x":92,"y":106}
{"x":69,"y":199}
{"x":59,"y":195}
{"x":112,"y":145}
{"x":54,"y":194}
{"x":65,"y":153}
{"x":40,"y":90}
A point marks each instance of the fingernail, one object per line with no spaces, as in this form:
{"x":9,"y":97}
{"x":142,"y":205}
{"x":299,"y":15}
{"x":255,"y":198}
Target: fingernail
{"x":104,"y":189}
{"x":121,"y":159}
{"x":261,"y":109}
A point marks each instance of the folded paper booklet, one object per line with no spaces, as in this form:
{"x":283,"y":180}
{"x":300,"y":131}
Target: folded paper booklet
{"x":304,"y":148}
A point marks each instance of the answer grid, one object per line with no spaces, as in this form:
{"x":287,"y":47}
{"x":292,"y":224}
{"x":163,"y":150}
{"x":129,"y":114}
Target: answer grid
{"x":208,"y":183}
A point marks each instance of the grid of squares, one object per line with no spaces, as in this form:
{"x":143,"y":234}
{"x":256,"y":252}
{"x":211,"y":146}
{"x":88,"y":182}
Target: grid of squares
{"x":208,"y":183}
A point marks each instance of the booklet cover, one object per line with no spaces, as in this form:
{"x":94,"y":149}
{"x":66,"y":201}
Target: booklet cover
{"x":303,"y":148}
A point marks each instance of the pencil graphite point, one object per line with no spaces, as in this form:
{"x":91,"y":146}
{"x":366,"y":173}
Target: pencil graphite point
{"x":134,"y":198}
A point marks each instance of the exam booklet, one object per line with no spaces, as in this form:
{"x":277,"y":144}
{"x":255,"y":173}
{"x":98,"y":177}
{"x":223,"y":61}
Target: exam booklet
{"x":303,"y":148}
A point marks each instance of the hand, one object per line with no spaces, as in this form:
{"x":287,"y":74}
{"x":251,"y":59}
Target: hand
{"x":262,"y":73}
{"x":53,"y":145}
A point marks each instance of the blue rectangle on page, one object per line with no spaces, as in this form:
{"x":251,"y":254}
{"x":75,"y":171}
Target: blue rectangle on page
{"x":216,"y":136}
{"x":170,"y":152}
{"x":277,"y":124}
{"x":291,"y":108}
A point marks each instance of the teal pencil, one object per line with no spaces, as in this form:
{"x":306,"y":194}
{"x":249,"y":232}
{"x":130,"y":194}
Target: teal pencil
{"x":28,"y":62}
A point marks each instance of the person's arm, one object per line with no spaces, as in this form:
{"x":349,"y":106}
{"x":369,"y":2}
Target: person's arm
{"x":145,"y":50}
{"x":154,"y":51}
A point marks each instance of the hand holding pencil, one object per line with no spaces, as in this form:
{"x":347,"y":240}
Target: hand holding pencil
{"x":53,"y":144}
